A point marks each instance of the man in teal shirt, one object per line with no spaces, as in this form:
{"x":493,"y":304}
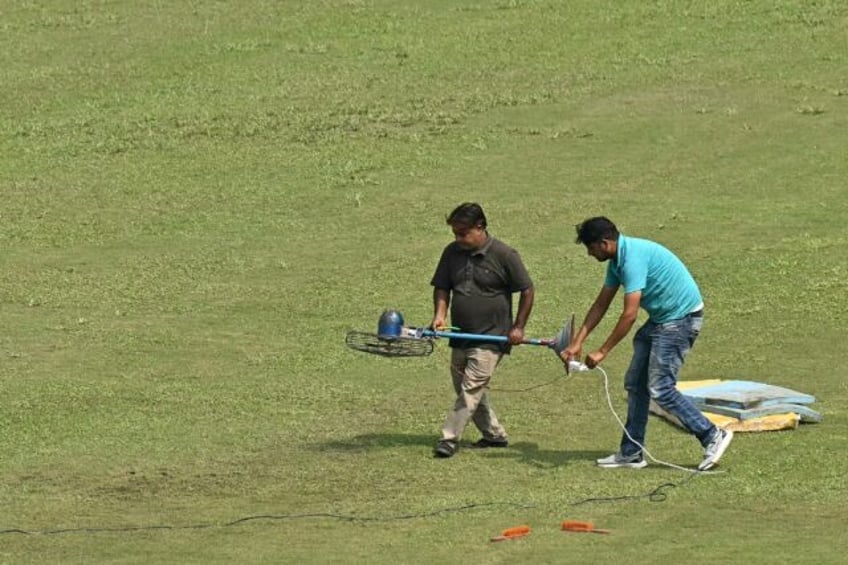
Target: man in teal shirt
{"x":653,"y":278}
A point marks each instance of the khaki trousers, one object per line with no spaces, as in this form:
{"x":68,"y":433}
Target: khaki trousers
{"x":471,"y":370}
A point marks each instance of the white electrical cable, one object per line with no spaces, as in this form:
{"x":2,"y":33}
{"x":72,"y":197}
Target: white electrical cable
{"x":580,"y":367}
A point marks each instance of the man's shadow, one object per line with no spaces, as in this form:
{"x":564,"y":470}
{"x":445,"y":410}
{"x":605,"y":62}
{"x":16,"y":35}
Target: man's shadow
{"x":526,"y":452}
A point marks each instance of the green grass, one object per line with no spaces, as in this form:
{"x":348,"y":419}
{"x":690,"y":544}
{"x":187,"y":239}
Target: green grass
{"x":200,"y":199}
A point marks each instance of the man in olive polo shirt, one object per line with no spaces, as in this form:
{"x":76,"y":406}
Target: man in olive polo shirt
{"x":477,"y":276}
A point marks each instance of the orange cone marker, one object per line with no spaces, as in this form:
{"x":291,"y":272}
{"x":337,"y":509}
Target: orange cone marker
{"x":512,"y":533}
{"x":580,"y":526}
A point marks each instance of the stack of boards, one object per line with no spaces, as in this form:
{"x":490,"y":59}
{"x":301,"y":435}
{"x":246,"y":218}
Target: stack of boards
{"x":746,"y":406}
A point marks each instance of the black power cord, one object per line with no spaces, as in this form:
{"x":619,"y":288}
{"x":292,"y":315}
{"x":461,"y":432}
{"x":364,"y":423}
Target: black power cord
{"x":658,"y":494}
{"x":257,"y":517}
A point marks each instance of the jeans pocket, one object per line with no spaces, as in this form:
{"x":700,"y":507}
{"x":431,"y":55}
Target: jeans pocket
{"x":696,"y":325}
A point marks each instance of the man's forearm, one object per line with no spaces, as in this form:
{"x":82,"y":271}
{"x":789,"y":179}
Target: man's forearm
{"x":593,"y":318}
{"x":441,"y":301}
{"x":621,"y":329}
{"x":525,"y":306}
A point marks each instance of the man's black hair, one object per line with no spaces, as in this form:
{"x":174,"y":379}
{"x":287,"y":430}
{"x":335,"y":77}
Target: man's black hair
{"x":467,"y":213}
{"x":596,"y":229}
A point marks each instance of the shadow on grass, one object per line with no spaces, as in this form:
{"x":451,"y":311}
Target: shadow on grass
{"x":525,"y":452}
{"x":364,"y":442}
{"x":532,"y":455}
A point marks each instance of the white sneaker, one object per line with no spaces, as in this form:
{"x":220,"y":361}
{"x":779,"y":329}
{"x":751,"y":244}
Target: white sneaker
{"x":616,"y":460}
{"x":715,"y":449}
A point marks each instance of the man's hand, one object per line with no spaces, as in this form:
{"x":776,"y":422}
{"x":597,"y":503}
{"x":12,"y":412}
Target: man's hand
{"x":594,"y":359}
{"x":438,"y":323}
{"x":516,"y":335}
{"x":571,"y":352}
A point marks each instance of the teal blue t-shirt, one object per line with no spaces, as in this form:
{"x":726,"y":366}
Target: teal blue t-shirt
{"x":668,"y":290}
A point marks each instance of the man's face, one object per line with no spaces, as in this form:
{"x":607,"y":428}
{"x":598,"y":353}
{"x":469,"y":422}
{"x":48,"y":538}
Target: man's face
{"x":600,"y":250}
{"x":469,"y":237}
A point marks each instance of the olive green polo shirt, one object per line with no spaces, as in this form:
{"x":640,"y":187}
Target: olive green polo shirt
{"x":481,"y":284}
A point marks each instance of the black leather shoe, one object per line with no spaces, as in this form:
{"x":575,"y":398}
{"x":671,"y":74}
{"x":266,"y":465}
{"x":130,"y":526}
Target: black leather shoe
{"x":484,"y":443}
{"x":444,"y":449}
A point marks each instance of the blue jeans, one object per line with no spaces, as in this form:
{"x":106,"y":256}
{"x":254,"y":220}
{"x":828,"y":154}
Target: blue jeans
{"x":658,"y":354}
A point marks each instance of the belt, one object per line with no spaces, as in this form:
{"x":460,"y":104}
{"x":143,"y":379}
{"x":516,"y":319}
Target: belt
{"x":697,"y":314}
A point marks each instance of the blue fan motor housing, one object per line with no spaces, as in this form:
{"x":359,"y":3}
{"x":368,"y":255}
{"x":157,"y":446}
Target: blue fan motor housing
{"x":390,"y":325}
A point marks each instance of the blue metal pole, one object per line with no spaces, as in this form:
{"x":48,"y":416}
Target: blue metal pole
{"x":482,"y":337}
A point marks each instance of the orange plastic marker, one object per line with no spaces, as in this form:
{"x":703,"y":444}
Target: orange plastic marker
{"x":512,"y":533}
{"x":580,"y":526}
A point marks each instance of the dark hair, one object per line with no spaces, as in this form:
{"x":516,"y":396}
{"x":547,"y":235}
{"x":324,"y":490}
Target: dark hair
{"x":467,"y":213}
{"x":596,"y":229}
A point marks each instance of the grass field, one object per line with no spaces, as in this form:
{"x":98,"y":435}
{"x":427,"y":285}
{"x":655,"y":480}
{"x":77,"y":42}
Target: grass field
{"x":200,"y":198}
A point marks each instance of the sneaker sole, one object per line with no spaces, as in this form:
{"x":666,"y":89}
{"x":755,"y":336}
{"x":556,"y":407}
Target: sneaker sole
{"x":640,"y":465}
